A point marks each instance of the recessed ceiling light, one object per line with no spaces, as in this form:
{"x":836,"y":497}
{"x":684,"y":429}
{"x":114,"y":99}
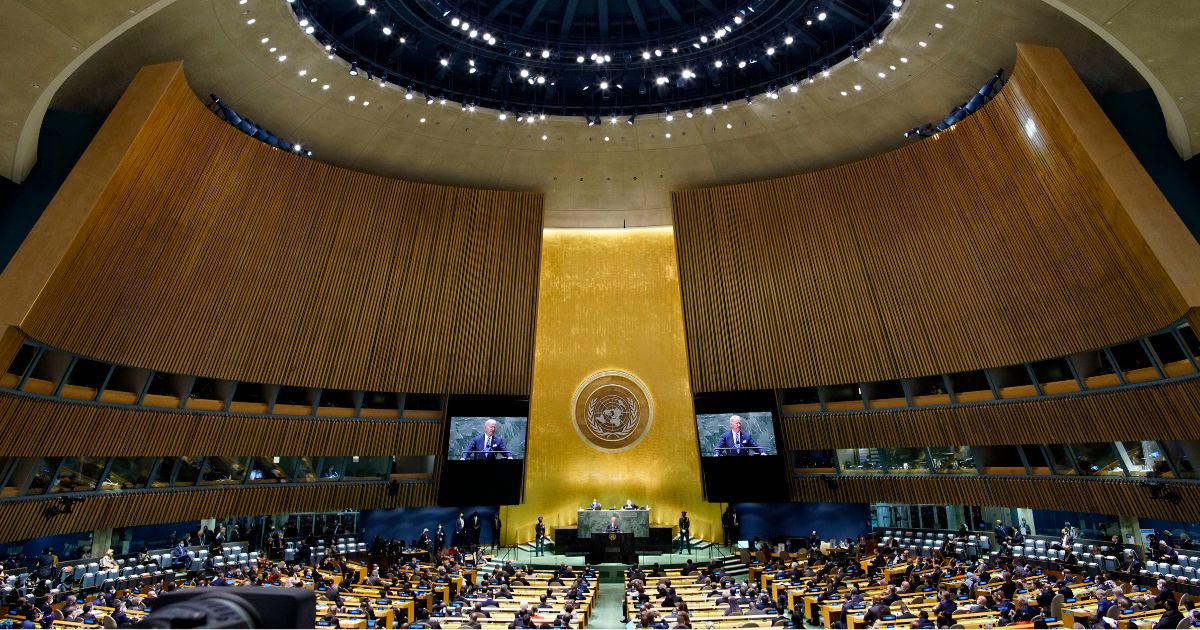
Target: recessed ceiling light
{"x":351,"y":98}
{"x":729,"y":125}
{"x":303,"y":72}
{"x":937,"y":25}
{"x":922,"y":44}
{"x":667,"y":136}
{"x":422,"y":121}
{"x":544,"y":137}
{"x":251,"y":21}
{"x":325,"y":87}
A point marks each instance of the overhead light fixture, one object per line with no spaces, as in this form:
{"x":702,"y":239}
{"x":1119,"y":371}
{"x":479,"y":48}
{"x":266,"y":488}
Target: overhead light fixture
{"x":821,"y":16}
{"x":579,"y":59}
{"x":788,"y":40}
{"x":632,"y":118}
{"x":670,"y":118}
{"x":353,"y":68}
{"x":708,"y":111}
{"x":545,"y":54}
{"x":690,"y":113}
{"x":604,"y":85}
{"x":770,"y":50}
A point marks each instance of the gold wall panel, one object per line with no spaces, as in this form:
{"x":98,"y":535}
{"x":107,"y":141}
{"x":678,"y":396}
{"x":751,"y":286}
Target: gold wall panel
{"x":609,"y":300}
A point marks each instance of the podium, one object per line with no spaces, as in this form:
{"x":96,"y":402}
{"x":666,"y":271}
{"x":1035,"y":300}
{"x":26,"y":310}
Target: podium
{"x":612,"y":547}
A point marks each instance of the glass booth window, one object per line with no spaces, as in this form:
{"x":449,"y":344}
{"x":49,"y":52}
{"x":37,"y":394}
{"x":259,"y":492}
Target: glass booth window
{"x":368,"y":468}
{"x":906,"y":460}
{"x":128,"y":473}
{"x":224,"y":471}
{"x":1099,"y":459}
{"x":953,"y":460}
{"x":860,"y":460}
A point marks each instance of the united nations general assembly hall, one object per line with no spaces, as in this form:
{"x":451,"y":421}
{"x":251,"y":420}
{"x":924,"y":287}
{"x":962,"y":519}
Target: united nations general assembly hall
{"x":599,"y":314}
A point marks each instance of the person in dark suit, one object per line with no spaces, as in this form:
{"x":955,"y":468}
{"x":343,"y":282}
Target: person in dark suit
{"x":460,"y":531}
{"x":476,"y":526}
{"x":539,"y":533}
{"x":1171,"y":617}
{"x":594,"y":505}
{"x":629,"y":505}
{"x":496,"y":524}
{"x":685,"y":533}
{"x":613,"y":526}
{"x":736,"y":442}
{"x":487,"y":445}
{"x":439,"y":539}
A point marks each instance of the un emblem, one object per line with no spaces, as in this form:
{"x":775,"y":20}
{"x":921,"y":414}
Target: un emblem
{"x":612,"y":411}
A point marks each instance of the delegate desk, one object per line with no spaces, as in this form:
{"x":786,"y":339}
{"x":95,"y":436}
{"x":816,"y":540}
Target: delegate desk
{"x":590,"y":522}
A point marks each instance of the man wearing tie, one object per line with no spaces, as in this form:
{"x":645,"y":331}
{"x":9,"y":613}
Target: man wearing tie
{"x":487,"y":445}
{"x":629,"y":505}
{"x":613,"y":526}
{"x":539,"y":532}
{"x":685,"y":535}
{"x":595,"y":505}
{"x":735,"y":442}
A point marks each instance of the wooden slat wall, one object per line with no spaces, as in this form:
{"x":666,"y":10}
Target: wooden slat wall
{"x":991,"y":244}
{"x":148,"y":433}
{"x":1161,"y":412}
{"x":213,"y":254}
{"x":1077,"y":495}
{"x":10,"y":342}
{"x":22,"y":520}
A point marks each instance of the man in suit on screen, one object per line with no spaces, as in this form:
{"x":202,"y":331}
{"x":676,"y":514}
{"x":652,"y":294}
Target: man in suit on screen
{"x":614,"y":527}
{"x":736,"y":442}
{"x":487,"y":445}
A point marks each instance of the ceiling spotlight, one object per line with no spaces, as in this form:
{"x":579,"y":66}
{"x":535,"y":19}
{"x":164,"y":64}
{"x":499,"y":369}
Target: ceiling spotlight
{"x":408,"y":95}
{"x":612,"y":120}
{"x":773,"y":95}
{"x":938,"y":25}
{"x":309,"y":30}
{"x":631,"y":119}
{"x":895,"y":15}
{"x":353,"y":68}
{"x":361,"y":2}
{"x":607,"y":58}
{"x":445,"y":62}
{"x":825,"y":72}
{"x":718,"y":63}
{"x":387,"y":30}
{"x":949,"y":5}
{"x":429,"y":100}
{"x":657,"y":52}
{"x":296,"y":148}
{"x":770,"y":51}
{"x":503,"y":116}
{"x":904,"y":60}
{"x":674,"y":50}
{"x":251,"y":21}
{"x":821,"y":16}
{"x":704,"y":39}
{"x":661,"y":80}
{"x":690,"y":113}
{"x":729,"y":125}
{"x":455,"y":22}
{"x":473,"y":34}
{"x":541,"y":80}
{"x":922,"y":44}
{"x":579,"y":59}
{"x":528,"y":54}
{"x":741,"y":64}
{"x":350,"y":98}
{"x":645,"y":54}
{"x":541,"y":117}
{"x":788,"y":40}
{"x":688,"y":74}
{"x":471,"y":107}
{"x":670,"y":118}
{"x":708,"y":111}
{"x":604,"y":85}
{"x":794,"y":88}
{"x":545,"y":54}
{"x":422,"y":120}
{"x":267,"y":39}
{"x":442,"y":101}
{"x":737,"y":19}
{"x":591,"y":122}
{"x":606,"y":138}
{"x":544,"y":137}
{"x":897,"y":3}
{"x":471,"y":70}
{"x":524,"y":73}
{"x":465,"y":26}
{"x":857,"y":88}
{"x":882,"y":75}
{"x":325,"y":86}
{"x":667,"y":136}
{"x":303,"y":72}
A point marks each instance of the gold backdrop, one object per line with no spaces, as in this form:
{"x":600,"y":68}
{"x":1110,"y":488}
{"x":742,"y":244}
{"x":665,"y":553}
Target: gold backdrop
{"x":609,"y":300}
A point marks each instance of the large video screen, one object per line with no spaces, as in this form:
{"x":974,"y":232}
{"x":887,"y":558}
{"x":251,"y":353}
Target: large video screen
{"x":487,"y":438}
{"x":742,"y":434}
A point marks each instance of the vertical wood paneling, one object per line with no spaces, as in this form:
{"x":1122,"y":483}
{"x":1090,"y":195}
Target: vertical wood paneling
{"x":1098,"y":417}
{"x":997,"y":242}
{"x":21,"y":520}
{"x":147,"y":433}
{"x":213,"y":254}
{"x":1080,"y":495}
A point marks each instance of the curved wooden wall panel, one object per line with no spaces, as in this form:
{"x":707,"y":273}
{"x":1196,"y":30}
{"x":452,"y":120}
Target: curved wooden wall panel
{"x":20,"y":520}
{"x":995,"y":243}
{"x":148,"y":433}
{"x":1157,"y":412}
{"x":213,"y":254}
{"x":1097,"y":497}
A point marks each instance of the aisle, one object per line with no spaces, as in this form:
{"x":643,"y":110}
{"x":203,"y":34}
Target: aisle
{"x":608,"y":611}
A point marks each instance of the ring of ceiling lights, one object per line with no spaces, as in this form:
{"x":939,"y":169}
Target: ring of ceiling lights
{"x":435,"y":51}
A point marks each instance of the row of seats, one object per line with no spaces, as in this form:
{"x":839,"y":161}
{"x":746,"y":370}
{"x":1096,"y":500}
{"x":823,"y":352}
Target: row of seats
{"x":1191,"y":572}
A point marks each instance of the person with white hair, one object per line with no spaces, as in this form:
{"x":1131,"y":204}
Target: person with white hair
{"x":487,"y":445}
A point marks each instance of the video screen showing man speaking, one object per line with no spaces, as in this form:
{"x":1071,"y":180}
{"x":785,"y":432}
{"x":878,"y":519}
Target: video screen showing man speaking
{"x":487,"y":438}
{"x":736,"y":434}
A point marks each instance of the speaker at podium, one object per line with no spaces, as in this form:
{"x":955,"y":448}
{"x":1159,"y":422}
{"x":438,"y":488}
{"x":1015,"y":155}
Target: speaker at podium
{"x":612,"y":547}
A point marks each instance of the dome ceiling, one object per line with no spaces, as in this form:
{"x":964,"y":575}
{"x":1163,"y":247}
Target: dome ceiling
{"x":594,"y":57}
